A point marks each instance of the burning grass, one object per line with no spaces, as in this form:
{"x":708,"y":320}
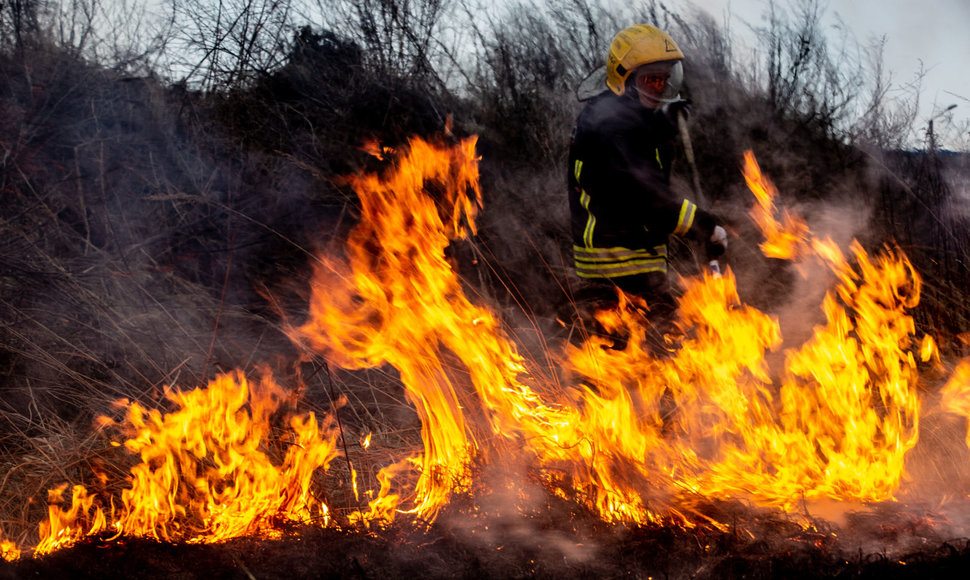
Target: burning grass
{"x":706,"y":450}
{"x":472,"y":540}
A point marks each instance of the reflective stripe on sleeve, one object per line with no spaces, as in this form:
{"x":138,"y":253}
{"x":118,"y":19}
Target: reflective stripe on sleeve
{"x":686,"y":218}
{"x":584,"y":201}
{"x":590,"y":221}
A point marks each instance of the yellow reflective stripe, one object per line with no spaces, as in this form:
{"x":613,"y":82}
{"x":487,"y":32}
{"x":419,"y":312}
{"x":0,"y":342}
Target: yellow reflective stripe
{"x":584,"y":201}
{"x":616,"y":254}
{"x":662,"y":248}
{"x":659,"y":162}
{"x":686,"y":218}
{"x":616,"y":270}
{"x":618,"y":261}
{"x":616,"y":267}
{"x":590,"y":221}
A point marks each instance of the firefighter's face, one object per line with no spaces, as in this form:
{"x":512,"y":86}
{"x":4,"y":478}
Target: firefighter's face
{"x":657,"y":83}
{"x":653,"y":83}
{"x":650,"y":84}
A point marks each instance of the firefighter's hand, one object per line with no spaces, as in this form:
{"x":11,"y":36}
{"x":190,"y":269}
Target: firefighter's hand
{"x":677,"y":108}
{"x":717,"y":244}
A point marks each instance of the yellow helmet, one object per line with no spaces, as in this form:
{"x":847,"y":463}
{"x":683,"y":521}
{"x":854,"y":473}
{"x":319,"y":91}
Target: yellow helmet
{"x":635,"y":46}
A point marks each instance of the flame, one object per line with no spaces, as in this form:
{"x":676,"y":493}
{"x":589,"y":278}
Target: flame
{"x":837,"y":423}
{"x":398,"y":301}
{"x":928,"y":351}
{"x":955,"y":395}
{"x":376,"y":150}
{"x":649,"y":433}
{"x":206,"y":474}
{"x":784,"y":238}
{"x":8,"y":550}
{"x":65,"y":527}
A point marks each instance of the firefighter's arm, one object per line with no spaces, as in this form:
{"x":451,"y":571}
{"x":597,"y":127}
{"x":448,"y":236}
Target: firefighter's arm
{"x":680,"y":216}
{"x":663,"y":211}
{"x":667,"y":213}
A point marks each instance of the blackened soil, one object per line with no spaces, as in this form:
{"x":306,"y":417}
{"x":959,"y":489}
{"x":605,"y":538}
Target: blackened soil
{"x":502,"y":552}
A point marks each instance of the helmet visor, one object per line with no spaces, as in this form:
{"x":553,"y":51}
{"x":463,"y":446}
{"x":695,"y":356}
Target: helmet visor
{"x":659,"y":81}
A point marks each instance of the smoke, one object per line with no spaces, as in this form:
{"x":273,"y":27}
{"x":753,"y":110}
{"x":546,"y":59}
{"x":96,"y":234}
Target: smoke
{"x":932,"y":506}
{"x":515,"y":513}
{"x":842,"y":222}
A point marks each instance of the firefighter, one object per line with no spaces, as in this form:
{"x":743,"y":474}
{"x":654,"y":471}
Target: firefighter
{"x":621,"y":204}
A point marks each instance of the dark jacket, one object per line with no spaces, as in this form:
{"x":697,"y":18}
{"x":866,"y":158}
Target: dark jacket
{"x":619,"y":190}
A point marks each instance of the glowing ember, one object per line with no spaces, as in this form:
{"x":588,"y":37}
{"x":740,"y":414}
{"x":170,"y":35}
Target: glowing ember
{"x":8,"y":550}
{"x":635,"y":437}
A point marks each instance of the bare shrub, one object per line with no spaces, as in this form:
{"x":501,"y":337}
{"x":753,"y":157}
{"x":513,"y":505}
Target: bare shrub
{"x":19,"y":22}
{"x":219,"y":45}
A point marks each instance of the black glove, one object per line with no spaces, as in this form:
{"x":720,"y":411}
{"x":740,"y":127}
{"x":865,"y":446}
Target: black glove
{"x":676,"y":108}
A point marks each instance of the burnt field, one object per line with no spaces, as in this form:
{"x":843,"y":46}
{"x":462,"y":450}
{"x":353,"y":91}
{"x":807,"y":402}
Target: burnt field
{"x":553,"y":542}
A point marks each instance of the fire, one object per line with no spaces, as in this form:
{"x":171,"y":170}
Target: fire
{"x":836,"y":423}
{"x":206,"y":472}
{"x":785,"y":238}
{"x":8,"y":550}
{"x":398,"y":301}
{"x":65,"y":527}
{"x":956,"y":393}
{"x":643,"y":434}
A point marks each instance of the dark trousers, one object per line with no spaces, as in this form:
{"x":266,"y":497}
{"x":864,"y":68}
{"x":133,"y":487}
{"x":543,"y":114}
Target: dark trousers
{"x":601,"y":294}
{"x":661,"y":335}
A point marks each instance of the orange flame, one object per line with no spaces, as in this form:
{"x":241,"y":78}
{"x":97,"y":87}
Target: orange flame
{"x":398,"y":301}
{"x":784,"y":239}
{"x":636,"y":436}
{"x":65,"y":527}
{"x":206,"y":474}
{"x":836,"y":425}
{"x":955,"y":396}
{"x":8,"y":550}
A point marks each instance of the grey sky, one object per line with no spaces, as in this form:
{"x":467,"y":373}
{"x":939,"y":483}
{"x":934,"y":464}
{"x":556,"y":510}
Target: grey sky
{"x":931,"y":32}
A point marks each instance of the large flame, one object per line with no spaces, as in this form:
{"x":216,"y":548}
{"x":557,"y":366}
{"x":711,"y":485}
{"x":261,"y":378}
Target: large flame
{"x":636,"y":435}
{"x":206,"y":473}
{"x":836,"y":423}
{"x":398,"y":301}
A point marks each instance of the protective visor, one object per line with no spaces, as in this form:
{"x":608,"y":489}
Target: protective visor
{"x":659,"y":81}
